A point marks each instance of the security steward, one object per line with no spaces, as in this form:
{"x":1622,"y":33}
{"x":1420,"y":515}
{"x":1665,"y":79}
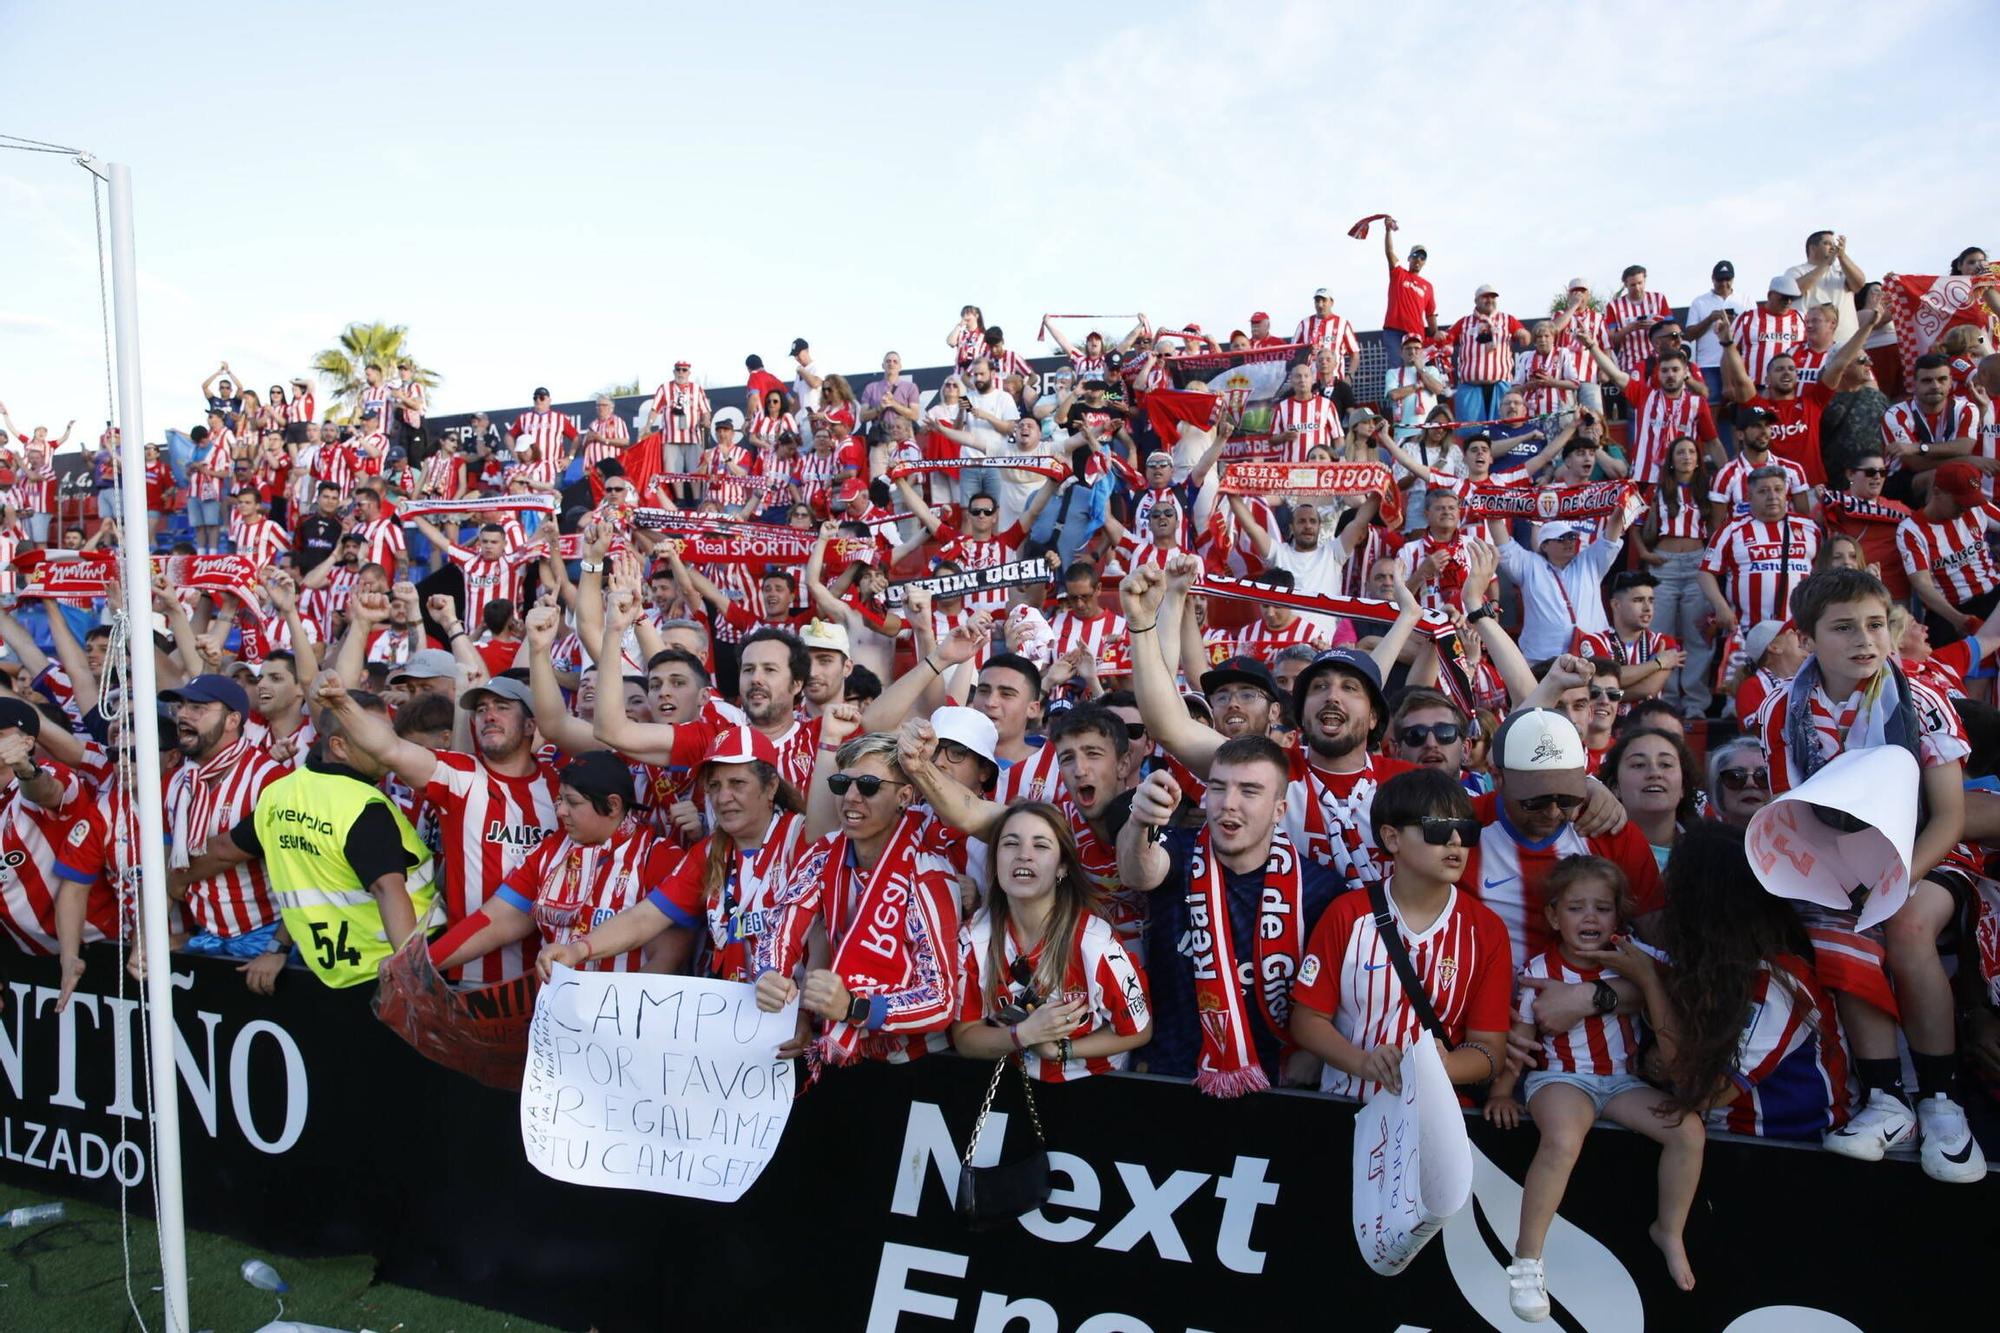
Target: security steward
{"x":351,"y":878}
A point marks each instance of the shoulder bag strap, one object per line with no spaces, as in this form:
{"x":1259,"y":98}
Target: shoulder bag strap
{"x":1399,"y":958}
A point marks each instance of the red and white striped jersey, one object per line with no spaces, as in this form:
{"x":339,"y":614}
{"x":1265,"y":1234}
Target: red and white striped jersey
{"x":547,"y":431}
{"x":1142,"y":510}
{"x":1316,"y":419}
{"x":213,"y":798}
{"x":1758,"y":564}
{"x":1099,"y":633}
{"x":40,"y":851}
{"x":1608,"y":644}
{"x":1259,"y":641}
{"x":35,"y":492}
{"x":1687,"y":516}
{"x":1489,"y":362}
{"x":970,"y":553}
{"x":692,"y":400}
{"x":218,"y":457}
{"x":1584,"y":320}
{"x":1791,"y":1071}
{"x":1008,"y":362}
{"x":1809,"y":361}
{"x":1730,"y":485}
{"x":377,"y":397}
{"x":489,"y":824}
{"x":1086,"y":366}
{"x":371,"y":452}
{"x":1035,"y":778}
{"x":323,"y":605}
{"x":797,"y":749}
{"x":386,"y":546}
{"x":744,"y":907}
{"x":1941,"y":736}
{"x":612,"y":437}
{"x":729,"y":488}
{"x":571,"y":889}
{"x":299,"y":407}
{"x":1907,"y":423}
{"x":1623,"y":311}
{"x":1445,"y":591}
{"x":1601,"y":1044}
{"x":443,"y":477}
{"x":1760,"y":335}
{"x":1953,"y":552}
{"x":1132,"y":552}
{"x":331,"y":461}
{"x":817,"y":473}
{"x":1333,"y":332}
{"x":1099,"y":972}
{"x":261,"y":542}
{"x":1561,"y":364}
{"x":488,"y":581}
{"x":1658,"y":419}
{"x":1461,"y":958}
{"x":1510,"y":876}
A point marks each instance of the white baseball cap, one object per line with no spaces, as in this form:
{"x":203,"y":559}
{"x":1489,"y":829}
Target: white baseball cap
{"x":1576,"y":284}
{"x":1758,"y":641}
{"x":1486,"y":289}
{"x":1539,"y":751}
{"x":1319,"y":292}
{"x":968,"y":727}
{"x":1785,"y":285}
{"x":827,"y":635}
{"x":1578,"y":528}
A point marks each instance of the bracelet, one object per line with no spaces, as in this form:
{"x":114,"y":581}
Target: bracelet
{"x":1492,"y":1065}
{"x":1063,"y":1048}
{"x":934,"y":667}
{"x":829,"y":747}
{"x":591,"y":566}
{"x":1142,"y":629}
{"x":589,"y":952}
{"x":1014,"y":1034}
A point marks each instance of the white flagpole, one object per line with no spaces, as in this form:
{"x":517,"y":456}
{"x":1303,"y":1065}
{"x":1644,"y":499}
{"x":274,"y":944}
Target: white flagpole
{"x":142,"y":727}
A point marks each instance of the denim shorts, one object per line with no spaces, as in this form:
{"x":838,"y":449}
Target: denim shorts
{"x":205,"y":513}
{"x":1600,"y":1088}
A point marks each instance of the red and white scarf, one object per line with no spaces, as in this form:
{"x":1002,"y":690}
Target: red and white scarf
{"x":1039,"y":464}
{"x":1228,"y":1066}
{"x":500,"y":504}
{"x":874,"y":949}
{"x":1594,"y":499}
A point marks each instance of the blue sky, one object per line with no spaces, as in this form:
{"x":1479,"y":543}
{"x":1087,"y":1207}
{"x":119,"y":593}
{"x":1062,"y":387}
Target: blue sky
{"x":578,"y":194}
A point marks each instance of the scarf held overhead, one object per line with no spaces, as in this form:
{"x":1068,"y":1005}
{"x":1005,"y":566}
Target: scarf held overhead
{"x":1594,"y":499}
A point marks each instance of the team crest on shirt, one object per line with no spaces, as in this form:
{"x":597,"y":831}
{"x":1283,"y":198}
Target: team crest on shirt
{"x":1447,"y":968}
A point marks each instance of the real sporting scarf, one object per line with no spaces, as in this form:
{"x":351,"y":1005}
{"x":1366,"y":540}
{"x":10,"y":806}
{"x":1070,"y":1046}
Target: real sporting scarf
{"x":762,"y":549}
{"x":94,"y":574}
{"x":504,"y":504}
{"x":1228,"y":1065}
{"x":1359,"y":231}
{"x":1013,"y":573}
{"x":1436,"y":626}
{"x":717,"y":479}
{"x":1592,"y":499}
{"x":1305,"y":480}
{"x":1039,"y":464}
{"x":874,"y":953}
{"x":1845,"y":504}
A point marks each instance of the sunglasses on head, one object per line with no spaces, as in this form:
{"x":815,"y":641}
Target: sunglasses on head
{"x":1447,"y":733}
{"x":1736,"y":779}
{"x":1438,"y":830}
{"x":1605,"y":692}
{"x":1540,"y":804}
{"x":868,"y":784}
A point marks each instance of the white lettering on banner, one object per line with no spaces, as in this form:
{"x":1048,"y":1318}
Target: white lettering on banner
{"x":927,"y":1142}
{"x":667,"y":1084}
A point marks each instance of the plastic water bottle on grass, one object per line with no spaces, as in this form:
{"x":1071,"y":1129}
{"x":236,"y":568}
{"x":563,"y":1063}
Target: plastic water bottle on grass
{"x":263,"y":1277}
{"x":33,"y":1215}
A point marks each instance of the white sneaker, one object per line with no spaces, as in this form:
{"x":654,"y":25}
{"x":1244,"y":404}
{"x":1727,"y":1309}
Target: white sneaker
{"x":1881,"y":1124}
{"x":1527,"y":1293}
{"x":1950,"y":1153}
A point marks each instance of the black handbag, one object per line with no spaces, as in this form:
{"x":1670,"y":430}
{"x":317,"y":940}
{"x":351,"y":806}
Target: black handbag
{"x":992,"y":1196}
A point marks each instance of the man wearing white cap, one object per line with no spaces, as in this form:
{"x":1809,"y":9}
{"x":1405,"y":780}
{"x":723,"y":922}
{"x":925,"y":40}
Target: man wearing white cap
{"x":1542,"y":771}
{"x":831,"y":656}
{"x":1323,"y":328}
{"x":1483,"y":346}
{"x":1771,"y":326}
{"x":1559,"y":580}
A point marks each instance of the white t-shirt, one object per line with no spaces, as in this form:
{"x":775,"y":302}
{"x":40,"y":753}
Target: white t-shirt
{"x":996,"y":402}
{"x":1556,"y":603}
{"x":1316,"y":571}
{"x":1831,"y":290}
{"x":1708,"y":347}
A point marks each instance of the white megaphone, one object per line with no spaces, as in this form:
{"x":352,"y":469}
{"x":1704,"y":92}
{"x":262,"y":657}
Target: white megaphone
{"x":1843,"y":837}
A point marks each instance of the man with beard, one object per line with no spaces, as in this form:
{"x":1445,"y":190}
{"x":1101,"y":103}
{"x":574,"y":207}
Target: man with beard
{"x":1232,"y":906}
{"x":495,"y":804}
{"x":231,"y":910}
{"x":1428,"y":730}
{"x":829,"y":659}
{"x":1340,"y":711}
{"x":1929,"y":429}
{"x":1645,"y":659}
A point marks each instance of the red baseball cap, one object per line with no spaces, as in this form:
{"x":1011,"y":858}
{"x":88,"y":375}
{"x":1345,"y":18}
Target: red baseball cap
{"x":1260,"y":315}
{"x":737,"y":745}
{"x":851,"y":490}
{"x":1958,"y":480}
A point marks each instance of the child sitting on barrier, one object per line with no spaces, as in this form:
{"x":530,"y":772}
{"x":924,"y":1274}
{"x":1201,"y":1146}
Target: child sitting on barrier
{"x":1589,"y":1072}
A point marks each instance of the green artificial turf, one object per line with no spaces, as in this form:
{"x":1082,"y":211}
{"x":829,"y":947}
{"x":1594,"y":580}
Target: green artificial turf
{"x":69,"y":1277}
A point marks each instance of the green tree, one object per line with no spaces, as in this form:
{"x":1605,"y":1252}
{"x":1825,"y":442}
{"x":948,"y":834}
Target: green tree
{"x":622,"y":389}
{"x":343,"y":367}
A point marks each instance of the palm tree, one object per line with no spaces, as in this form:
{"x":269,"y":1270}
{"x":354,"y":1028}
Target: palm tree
{"x":343,"y":366}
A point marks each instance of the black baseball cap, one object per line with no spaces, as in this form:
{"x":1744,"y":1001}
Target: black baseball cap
{"x":1240,"y":671}
{"x":1755,"y":416}
{"x":1355,"y":663}
{"x":541,"y":392}
{"x":18,"y":714}
{"x":799,"y":345}
{"x":1723,"y":269}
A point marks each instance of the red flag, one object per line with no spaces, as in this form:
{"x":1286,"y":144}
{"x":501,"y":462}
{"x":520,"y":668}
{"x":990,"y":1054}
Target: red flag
{"x":1359,"y":231}
{"x":642,"y":461}
{"x":1167,"y":408}
{"x":1925,"y":307}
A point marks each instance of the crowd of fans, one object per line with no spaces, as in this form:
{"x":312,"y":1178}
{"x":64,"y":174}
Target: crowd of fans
{"x":1094,"y":813}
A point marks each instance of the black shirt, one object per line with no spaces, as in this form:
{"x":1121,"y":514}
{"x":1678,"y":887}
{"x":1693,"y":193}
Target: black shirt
{"x":373,"y":846}
{"x":1176,"y":1043}
{"x":317,"y":538}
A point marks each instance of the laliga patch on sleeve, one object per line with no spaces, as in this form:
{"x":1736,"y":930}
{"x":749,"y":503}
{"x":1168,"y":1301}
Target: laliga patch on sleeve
{"x":1309,"y":970}
{"x":77,"y":833}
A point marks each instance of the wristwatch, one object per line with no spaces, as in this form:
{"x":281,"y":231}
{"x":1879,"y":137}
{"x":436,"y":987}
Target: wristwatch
{"x":857,"y":1010}
{"x":1923,"y":446}
{"x":1484,"y":611}
{"x":1603,"y":998}
{"x":591,"y":566}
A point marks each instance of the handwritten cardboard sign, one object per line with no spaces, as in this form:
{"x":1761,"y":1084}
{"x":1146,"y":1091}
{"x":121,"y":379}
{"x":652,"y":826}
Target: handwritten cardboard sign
{"x":1844,"y":837}
{"x":1412,"y":1163}
{"x":667,"y":1084}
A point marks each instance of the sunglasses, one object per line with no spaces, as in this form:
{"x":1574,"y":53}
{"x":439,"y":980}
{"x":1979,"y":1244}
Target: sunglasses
{"x":1438,"y":830}
{"x":1019,"y":1008}
{"x":1537,"y":805}
{"x":982,"y":513}
{"x":1135,"y":731}
{"x":1870,"y":471}
{"x":869,"y":785}
{"x":1447,"y":733}
{"x":1601,"y":692}
{"x":1737,"y":779}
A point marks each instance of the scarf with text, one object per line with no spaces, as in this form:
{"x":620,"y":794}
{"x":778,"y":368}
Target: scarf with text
{"x":1845,"y":504}
{"x":873,"y":954}
{"x":1039,"y":464}
{"x":503,"y":504}
{"x":1543,"y":504}
{"x":94,"y":574}
{"x":1301,"y":481}
{"x":1013,"y":573}
{"x":1453,"y":673}
{"x":1228,"y":1065}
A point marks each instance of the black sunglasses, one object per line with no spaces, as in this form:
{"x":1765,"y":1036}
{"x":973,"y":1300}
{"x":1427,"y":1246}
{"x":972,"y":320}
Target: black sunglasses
{"x":1017,"y":1009}
{"x":1134,"y":730}
{"x":982,"y":513}
{"x":1736,"y":779}
{"x":1540,"y":804}
{"x":1870,"y":471}
{"x":1447,"y":733}
{"x":1438,"y":830}
{"x":1601,"y":692}
{"x":869,"y":785}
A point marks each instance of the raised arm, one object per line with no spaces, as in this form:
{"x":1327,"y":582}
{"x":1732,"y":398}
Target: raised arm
{"x":921,"y":689}
{"x":1736,"y":385}
{"x":1389,"y":243}
{"x":1604,"y":363}
{"x":1849,"y":352}
{"x":1262,"y":542}
{"x":964,"y":810}
{"x":372,"y":734}
{"x":571,"y":735}
{"x":1160,"y":707}
{"x":647,"y":742}
{"x":1390,"y":646}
